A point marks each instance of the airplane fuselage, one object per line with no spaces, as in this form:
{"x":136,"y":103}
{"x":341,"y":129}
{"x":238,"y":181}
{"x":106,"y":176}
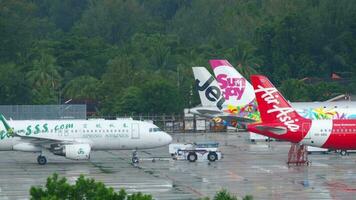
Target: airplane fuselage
{"x":99,"y":134}
{"x":329,"y":134}
{"x":310,"y":110}
{"x":332,"y":134}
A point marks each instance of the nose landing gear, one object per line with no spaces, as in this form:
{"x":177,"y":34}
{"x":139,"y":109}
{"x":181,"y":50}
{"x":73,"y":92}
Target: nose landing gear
{"x":135,"y":159}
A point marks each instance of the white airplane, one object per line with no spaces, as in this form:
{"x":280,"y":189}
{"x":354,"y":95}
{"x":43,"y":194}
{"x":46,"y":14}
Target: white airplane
{"x":75,"y":139}
{"x":231,"y":98}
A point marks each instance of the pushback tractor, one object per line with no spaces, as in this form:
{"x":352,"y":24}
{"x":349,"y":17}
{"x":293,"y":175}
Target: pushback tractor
{"x":198,"y":151}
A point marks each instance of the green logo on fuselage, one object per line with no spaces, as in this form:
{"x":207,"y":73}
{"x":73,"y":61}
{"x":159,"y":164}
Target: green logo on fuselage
{"x":80,"y":151}
{"x":4,"y":134}
{"x":36,"y":129}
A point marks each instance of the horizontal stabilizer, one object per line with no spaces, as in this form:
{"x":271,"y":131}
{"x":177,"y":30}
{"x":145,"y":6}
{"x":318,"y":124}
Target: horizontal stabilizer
{"x":278,"y":130}
{"x":240,"y":120}
{"x":209,"y":111}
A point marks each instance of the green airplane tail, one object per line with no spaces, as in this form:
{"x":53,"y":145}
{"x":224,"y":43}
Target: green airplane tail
{"x":6,"y":125}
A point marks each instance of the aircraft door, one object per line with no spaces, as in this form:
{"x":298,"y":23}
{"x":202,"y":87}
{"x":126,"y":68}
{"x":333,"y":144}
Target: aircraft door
{"x":305,"y":129}
{"x":135,"y":131}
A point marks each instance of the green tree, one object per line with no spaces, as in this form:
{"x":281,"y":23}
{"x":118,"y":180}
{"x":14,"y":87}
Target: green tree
{"x":324,"y":91}
{"x":56,"y":188}
{"x":84,"y":188}
{"x":17,"y":26}
{"x":247,"y":61}
{"x":225,"y":195}
{"x":294,"y":90}
{"x":63,"y":13}
{"x":44,"y":80}
{"x":155,"y":48}
{"x":160,"y":96}
{"x":78,"y":55}
{"x":114,"y":21}
{"x":119,"y":75}
{"x":130,"y":101}
{"x":13,"y":86}
{"x":82,"y":87}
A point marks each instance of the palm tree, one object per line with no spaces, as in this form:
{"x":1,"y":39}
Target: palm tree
{"x":44,"y":79}
{"x":82,"y":87}
{"x":247,"y":62}
{"x":44,"y":73}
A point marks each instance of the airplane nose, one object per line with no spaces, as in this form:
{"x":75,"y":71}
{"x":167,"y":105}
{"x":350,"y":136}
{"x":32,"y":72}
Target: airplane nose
{"x":168,"y":138}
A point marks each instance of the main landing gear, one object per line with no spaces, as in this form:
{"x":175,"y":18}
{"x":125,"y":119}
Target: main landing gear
{"x":135,"y":159}
{"x":41,"y":160}
{"x":343,"y":153}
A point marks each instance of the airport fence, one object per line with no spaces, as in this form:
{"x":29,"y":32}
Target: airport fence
{"x":180,"y":123}
{"x":37,"y":112}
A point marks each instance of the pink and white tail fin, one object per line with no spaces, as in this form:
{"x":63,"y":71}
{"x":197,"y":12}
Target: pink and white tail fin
{"x":236,"y":89}
{"x":273,"y":106}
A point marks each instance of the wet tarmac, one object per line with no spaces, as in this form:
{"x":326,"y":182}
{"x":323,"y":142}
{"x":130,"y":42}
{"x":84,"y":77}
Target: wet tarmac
{"x":258,"y":169}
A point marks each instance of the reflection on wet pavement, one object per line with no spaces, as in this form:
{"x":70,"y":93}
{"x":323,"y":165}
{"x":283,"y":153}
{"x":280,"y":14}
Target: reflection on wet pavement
{"x":247,"y":168}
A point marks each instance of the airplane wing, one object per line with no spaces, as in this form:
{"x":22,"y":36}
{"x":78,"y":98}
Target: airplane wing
{"x":44,"y":140}
{"x":279,"y":130}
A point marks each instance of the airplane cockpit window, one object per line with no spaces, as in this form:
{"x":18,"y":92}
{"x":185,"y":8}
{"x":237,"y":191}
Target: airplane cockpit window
{"x":154,"y":130}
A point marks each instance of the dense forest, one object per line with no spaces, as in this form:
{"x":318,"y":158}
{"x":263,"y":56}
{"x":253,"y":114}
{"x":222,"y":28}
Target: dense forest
{"x":135,"y":56}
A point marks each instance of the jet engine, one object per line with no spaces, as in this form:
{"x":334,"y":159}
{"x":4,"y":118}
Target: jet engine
{"x":72,"y":151}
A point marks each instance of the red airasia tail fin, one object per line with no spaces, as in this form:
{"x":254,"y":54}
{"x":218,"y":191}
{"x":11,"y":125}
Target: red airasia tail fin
{"x":273,"y":106}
